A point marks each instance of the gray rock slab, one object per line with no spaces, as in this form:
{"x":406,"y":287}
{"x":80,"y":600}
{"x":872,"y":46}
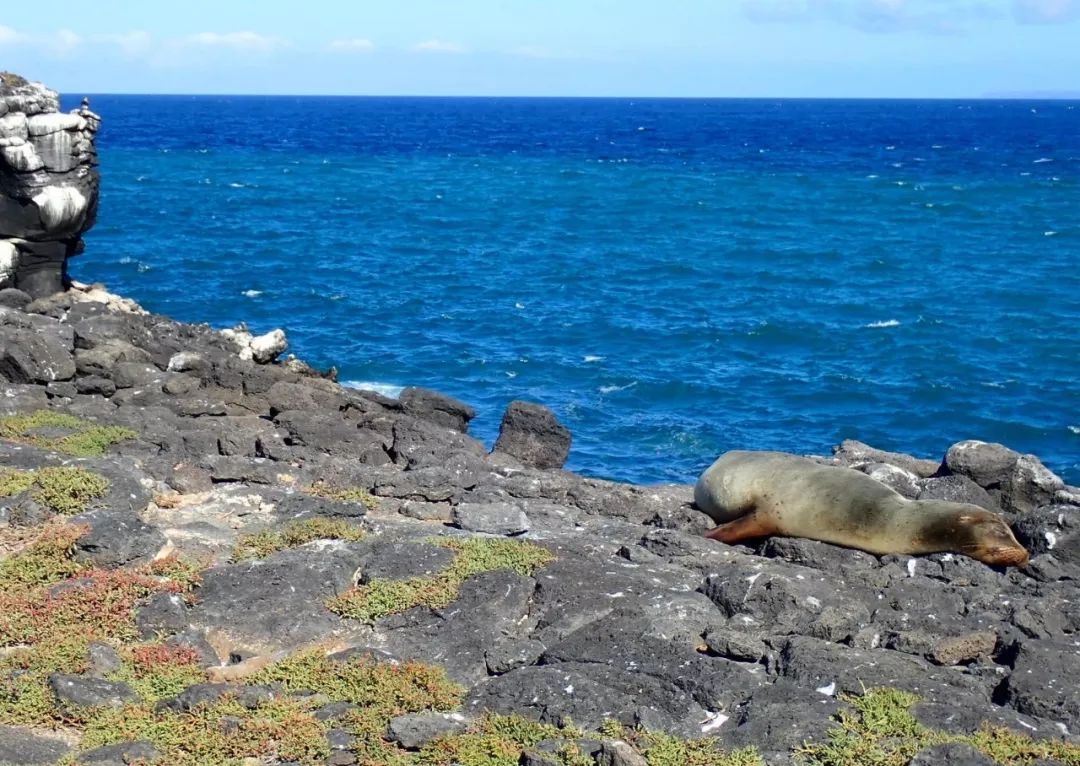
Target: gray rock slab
{"x":117,"y":538}
{"x":951,"y":754}
{"x":389,"y":560}
{"x":438,"y":408}
{"x":21,"y":747}
{"x":85,"y":691}
{"x":120,"y":754}
{"x":278,"y":602}
{"x":491,"y":518}
{"x":622,"y":642}
{"x":835,"y":668}
{"x":414,"y":730}
{"x":489,"y":607}
{"x":1043,"y":681}
{"x":789,"y":599}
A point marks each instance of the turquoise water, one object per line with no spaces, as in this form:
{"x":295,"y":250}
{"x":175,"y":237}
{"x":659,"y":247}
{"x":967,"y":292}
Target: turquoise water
{"x":673,"y":278}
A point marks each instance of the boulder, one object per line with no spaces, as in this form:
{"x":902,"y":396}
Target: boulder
{"x":854,"y":453}
{"x":532,"y":434}
{"x":956,"y":489}
{"x":985,"y":463}
{"x":438,"y":408}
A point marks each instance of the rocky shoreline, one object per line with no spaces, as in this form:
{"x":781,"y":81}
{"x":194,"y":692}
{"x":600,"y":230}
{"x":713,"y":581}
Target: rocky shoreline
{"x":213,"y":555}
{"x":357,"y":511}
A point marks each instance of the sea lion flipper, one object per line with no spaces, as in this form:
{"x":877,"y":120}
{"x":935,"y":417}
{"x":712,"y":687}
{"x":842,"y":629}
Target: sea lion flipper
{"x":752,"y":525}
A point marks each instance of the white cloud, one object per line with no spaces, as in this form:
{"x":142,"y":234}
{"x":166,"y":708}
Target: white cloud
{"x":1045,"y":11}
{"x":130,"y":43}
{"x":9,"y":36}
{"x":352,"y":44}
{"x":247,"y":41}
{"x":439,"y":46}
{"x":884,"y":16}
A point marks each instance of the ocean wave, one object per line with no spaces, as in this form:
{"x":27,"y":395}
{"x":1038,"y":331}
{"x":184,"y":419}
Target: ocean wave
{"x":886,"y":323}
{"x":613,"y":389}
{"x":252,"y":293}
{"x":589,"y":359}
{"x":1042,"y":160}
{"x":1050,"y":233}
{"x":386,"y":389}
{"x":1075,"y":429}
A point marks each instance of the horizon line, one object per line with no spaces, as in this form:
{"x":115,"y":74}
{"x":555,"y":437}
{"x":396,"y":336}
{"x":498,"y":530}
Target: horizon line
{"x":991,"y":96}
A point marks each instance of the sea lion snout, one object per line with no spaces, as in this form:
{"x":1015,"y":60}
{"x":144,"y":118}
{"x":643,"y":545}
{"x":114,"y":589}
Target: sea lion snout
{"x":995,"y":544}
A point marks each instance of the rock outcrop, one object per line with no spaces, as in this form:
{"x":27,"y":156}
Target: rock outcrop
{"x":48,"y":185}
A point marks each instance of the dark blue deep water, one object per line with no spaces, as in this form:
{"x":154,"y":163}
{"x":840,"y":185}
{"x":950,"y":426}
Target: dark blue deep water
{"x":673,"y":278}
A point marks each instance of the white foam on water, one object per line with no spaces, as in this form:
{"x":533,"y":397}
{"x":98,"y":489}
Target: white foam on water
{"x":886,"y":323}
{"x":1075,"y":429}
{"x":1050,"y":233}
{"x":252,"y":293}
{"x":613,"y":389}
{"x":519,"y":305}
{"x":386,"y":389}
{"x":589,"y":359}
{"x":1042,"y":160}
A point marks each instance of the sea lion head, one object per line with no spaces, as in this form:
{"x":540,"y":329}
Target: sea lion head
{"x":987,"y":538}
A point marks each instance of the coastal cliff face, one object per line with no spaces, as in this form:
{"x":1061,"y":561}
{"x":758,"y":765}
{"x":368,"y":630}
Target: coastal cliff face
{"x":49,"y":185}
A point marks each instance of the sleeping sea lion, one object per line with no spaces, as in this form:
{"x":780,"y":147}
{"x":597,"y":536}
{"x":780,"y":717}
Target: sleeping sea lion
{"x":757,"y":494}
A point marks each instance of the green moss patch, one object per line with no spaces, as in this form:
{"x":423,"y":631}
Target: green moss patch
{"x":62,"y":489}
{"x":882,"y":731}
{"x":157,"y":671}
{"x":262,"y":544}
{"x":498,"y":741}
{"x":222,"y":734}
{"x":380,"y":598}
{"x":46,"y":560}
{"x":380,"y":691}
{"x":57,"y":431}
{"x":344,"y":494}
{"x":52,"y":608}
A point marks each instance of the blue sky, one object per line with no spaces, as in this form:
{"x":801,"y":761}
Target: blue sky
{"x":826,"y":48}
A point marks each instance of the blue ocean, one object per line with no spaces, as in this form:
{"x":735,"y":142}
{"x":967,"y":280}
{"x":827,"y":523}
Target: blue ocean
{"x":675,"y":278}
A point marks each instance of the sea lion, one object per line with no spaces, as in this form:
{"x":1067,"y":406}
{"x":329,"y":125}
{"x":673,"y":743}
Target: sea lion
{"x":758,"y":494}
